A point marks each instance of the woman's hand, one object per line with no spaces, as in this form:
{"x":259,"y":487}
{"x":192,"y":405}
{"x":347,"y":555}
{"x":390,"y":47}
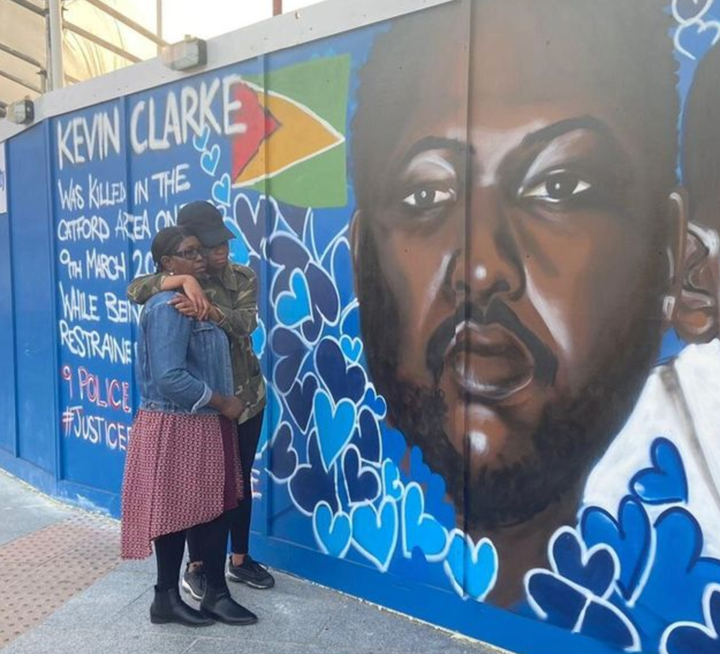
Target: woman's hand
{"x":194,"y":303}
{"x":229,"y":406}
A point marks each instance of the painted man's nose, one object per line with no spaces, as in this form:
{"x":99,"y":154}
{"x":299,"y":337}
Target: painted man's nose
{"x":488,"y":263}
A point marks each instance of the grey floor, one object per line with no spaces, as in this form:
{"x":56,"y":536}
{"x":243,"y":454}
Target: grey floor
{"x":296,"y":617}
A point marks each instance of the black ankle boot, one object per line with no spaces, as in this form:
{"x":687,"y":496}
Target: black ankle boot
{"x":218,"y":603}
{"x":168,"y":607}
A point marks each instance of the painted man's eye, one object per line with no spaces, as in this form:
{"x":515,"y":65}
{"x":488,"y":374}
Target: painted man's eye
{"x":429,"y":198}
{"x":557,"y":187}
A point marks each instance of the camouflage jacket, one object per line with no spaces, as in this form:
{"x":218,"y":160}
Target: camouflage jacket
{"x":234,"y":294}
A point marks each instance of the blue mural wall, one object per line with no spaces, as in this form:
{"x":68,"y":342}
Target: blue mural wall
{"x":491,"y":402}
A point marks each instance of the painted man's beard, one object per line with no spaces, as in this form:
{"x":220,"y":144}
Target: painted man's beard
{"x":569,"y":438}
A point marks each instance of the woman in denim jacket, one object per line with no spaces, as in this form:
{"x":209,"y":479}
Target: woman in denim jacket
{"x":182,"y":471}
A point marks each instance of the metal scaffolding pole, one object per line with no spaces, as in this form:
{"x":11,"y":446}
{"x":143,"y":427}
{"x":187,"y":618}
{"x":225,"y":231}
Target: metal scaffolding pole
{"x":159,"y":23}
{"x":21,"y":82}
{"x":101,"y":42}
{"x":55,"y":58}
{"x":30,"y":7}
{"x":126,"y":21}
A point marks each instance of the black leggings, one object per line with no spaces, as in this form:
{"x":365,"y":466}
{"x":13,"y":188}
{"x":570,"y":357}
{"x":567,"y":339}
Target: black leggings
{"x":239,"y":517}
{"x":209,"y":537}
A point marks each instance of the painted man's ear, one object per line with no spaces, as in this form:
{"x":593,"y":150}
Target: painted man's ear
{"x":696,"y":309}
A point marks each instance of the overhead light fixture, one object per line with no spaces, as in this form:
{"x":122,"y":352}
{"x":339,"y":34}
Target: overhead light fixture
{"x":188,"y":53}
{"x":21,"y":112}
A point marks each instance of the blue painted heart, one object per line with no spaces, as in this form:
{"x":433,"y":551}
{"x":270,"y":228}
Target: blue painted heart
{"x":628,"y":537}
{"x":367,"y":437}
{"x":678,"y":564}
{"x":325,"y":302}
{"x":421,"y":530}
{"x":341,"y":380}
{"x":375,"y":532}
{"x":603,"y":621}
{"x":200,"y":140}
{"x":335,"y":425}
{"x":300,"y":400}
{"x":286,"y":254}
{"x":283,"y":457}
{"x":255,"y":220}
{"x":376,"y":403}
{"x":392,"y":486}
{"x":689,"y":638}
{"x":352,"y":348}
{"x":694,"y":39}
{"x":665,"y":482}
{"x":293,"y":305}
{"x":221,"y":190}
{"x":594,"y":569}
{"x":362,"y":482}
{"x":553,"y":599}
{"x":290,"y":353}
{"x":312,"y":484}
{"x":472,"y":569}
{"x":210,"y":159}
{"x":333,"y":531}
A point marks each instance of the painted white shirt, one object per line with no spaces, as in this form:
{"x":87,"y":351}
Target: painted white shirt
{"x":680,"y":401}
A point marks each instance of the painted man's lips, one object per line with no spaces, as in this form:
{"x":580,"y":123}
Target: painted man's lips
{"x":488,"y":362}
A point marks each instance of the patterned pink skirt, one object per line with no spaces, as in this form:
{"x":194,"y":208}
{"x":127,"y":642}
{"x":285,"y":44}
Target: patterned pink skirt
{"x":181,"y":470}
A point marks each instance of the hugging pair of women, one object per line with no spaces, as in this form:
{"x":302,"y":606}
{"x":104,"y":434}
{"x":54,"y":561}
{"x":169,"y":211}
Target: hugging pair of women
{"x":195,"y":435}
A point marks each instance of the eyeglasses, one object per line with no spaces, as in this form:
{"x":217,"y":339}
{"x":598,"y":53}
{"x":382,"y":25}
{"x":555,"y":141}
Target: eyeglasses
{"x":189,"y":254}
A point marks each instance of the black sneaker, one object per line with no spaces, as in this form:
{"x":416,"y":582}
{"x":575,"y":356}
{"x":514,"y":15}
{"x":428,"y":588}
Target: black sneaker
{"x":194,"y":582}
{"x":251,"y":573}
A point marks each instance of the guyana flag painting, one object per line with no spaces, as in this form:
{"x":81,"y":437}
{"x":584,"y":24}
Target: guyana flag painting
{"x":294,"y":148}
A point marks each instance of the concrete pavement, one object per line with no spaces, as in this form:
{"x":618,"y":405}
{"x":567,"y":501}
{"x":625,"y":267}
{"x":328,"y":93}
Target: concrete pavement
{"x":65,"y":591}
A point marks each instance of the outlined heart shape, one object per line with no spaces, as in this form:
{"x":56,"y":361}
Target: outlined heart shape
{"x":376,"y":403}
{"x":200,"y":141}
{"x":333,"y":531}
{"x":594,"y":569}
{"x":665,"y":482}
{"x":291,"y":352}
{"x":628,"y":536}
{"x":375,"y":532}
{"x":471,"y":568}
{"x":362,"y":482}
{"x":694,"y":638}
{"x":351,"y":347}
{"x":312,"y":484}
{"x":221,"y":190}
{"x":392,"y":486}
{"x":255,"y":220}
{"x":367,"y":436}
{"x":283,"y":457}
{"x":342,"y":380}
{"x":419,"y":529}
{"x":324,"y":302}
{"x":335,"y":425}
{"x":299,"y":399}
{"x":293,"y":306}
{"x":210,"y":159}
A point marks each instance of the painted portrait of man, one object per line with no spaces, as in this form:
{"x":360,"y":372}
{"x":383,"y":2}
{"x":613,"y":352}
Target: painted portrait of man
{"x":514,"y":246}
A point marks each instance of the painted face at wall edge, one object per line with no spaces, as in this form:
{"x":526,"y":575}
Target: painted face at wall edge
{"x":512,"y":264}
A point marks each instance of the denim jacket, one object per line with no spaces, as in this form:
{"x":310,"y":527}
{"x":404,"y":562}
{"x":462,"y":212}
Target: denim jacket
{"x":180,"y":361}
